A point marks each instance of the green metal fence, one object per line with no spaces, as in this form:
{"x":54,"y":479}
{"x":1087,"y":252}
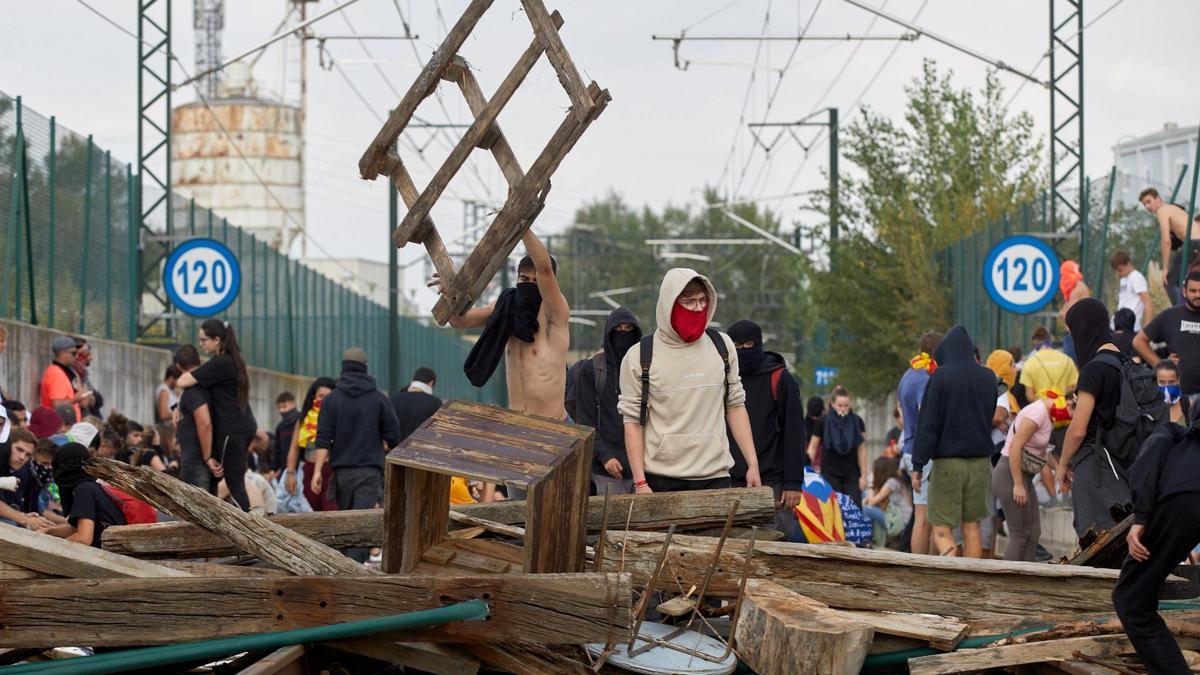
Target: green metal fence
{"x":73,"y":260}
{"x":1088,"y":244}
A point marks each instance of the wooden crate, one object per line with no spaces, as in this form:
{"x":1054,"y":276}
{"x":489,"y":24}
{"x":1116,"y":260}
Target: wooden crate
{"x":550,"y":459}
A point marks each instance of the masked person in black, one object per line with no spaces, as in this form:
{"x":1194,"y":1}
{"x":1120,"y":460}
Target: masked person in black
{"x":596,"y":380}
{"x":843,"y":458}
{"x":1086,"y":465}
{"x":776,"y":419}
{"x":88,"y":507}
{"x":527,"y":327}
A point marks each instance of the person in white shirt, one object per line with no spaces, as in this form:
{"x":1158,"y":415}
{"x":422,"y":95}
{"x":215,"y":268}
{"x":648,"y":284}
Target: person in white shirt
{"x":1135,"y":292}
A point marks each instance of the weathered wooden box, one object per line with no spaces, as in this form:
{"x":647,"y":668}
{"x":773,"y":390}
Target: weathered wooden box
{"x":549,"y":459}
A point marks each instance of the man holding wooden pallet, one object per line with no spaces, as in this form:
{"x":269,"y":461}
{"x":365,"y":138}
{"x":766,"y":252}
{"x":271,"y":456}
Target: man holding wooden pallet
{"x":528,"y":325}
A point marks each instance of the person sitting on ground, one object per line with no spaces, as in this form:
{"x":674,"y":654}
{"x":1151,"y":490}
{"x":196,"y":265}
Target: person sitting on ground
{"x":18,"y":482}
{"x":1167,"y":374}
{"x":886,"y":504}
{"x":1172,"y":229}
{"x":416,"y":403}
{"x":680,"y":391}
{"x":88,"y":507}
{"x":44,"y":422}
{"x":954,"y":429}
{"x":844,"y":448}
{"x":596,"y":393}
{"x":776,"y":414}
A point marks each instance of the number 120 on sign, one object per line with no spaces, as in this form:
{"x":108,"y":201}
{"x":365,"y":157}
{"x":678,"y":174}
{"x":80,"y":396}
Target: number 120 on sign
{"x":1021,"y":274}
{"x":201,"y":277}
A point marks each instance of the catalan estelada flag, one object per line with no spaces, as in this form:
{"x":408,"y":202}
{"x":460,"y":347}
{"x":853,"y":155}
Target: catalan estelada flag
{"x":818,"y":512}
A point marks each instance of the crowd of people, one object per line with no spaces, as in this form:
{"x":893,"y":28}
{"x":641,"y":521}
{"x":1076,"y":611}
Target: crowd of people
{"x":979,"y":442}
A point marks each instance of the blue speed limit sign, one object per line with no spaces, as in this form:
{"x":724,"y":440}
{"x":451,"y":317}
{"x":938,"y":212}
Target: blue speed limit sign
{"x":202,"y":277}
{"x":1021,"y":274}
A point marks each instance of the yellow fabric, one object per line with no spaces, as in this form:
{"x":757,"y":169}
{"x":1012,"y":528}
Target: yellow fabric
{"x":308,"y":428}
{"x":922,"y":361}
{"x":1001,"y":363}
{"x":1048,"y":369}
{"x":460,"y":491}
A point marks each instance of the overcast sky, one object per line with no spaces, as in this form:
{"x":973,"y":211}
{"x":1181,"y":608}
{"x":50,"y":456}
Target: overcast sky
{"x":667,"y":132}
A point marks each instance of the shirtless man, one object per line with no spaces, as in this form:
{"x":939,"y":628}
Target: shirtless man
{"x":1172,"y":228}
{"x":536,"y":371}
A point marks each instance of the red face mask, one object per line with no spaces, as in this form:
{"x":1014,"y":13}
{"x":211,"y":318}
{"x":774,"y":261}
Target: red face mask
{"x":687,"y":323}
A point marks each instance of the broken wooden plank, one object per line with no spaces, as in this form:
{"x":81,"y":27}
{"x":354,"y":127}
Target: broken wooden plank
{"x":524,"y":203}
{"x":850,"y":578}
{"x":526,"y":659}
{"x":422,"y":87}
{"x":939,"y":632}
{"x":11,"y":572}
{"x":462,"y":150}
{"x":1100,"y":646}
{"x":1108,"y":550}
{"x":283,"y":661}
{"x":51,"y":555}
{"x":425,"y":657}
{"x":341,"y":529}
{"x":419,"y":502}
{"x":545,"y":608}
{"x":252,"y":533}
{"x":556,"y":52}
{"x":781,"y":632}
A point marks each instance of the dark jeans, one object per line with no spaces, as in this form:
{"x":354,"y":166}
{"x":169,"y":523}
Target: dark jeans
{"x":193,"y":471}
{"x":665,"y":484}
{"x":1173,"y":531}
{"x":357,"y":488}
{"x":231,"y":450}
{"x":847,"y":485}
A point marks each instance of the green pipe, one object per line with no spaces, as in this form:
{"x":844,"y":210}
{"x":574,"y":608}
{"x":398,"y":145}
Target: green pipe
{"x":1112,"y":181}
{"x":87,"y":238}
{"x":902,"y":656}
{"x":1187,"y":240}
{"x":52,"y":165}
{"x":154,"y":657}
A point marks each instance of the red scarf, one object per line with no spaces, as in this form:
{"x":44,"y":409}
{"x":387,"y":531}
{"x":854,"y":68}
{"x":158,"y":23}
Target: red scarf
{"x":688,"y":324}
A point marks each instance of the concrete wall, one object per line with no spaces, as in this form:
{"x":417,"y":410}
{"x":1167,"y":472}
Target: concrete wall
{"x":124,"y":373}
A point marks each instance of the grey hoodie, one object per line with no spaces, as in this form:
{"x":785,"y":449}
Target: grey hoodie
{"x":685,"y":432}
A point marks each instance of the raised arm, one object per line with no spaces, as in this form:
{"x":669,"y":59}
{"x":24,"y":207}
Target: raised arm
{"x":476,"y":317}
{"x":553,"y":301}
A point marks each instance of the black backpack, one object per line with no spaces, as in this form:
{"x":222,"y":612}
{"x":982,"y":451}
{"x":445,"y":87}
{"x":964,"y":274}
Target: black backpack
{"x":647,"y":355}
{"x":574,"y":381}
{"x":1140,"y":410}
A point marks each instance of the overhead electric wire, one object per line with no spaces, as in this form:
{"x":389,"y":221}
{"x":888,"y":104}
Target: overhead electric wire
{"x":745,"y":102}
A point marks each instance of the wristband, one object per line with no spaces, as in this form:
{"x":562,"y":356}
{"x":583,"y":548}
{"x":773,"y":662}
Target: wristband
{"x":640,"y":483}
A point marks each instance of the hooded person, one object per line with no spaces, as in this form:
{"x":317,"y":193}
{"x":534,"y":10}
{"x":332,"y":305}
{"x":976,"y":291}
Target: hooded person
{"x":776,"y":413}
{"x":955,"y":429}
{"x":355,"y":424}
{"x":1095,"y":476}
{"x":1124,"y":331}
{"x":680,"y":391}
{"x":595,"y":381}
{"x":87,"y":505}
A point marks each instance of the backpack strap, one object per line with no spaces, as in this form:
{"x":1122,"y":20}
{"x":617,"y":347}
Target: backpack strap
{"x":719,"y":342}
{"x":775,"y":375}
{"x":647,"y":356}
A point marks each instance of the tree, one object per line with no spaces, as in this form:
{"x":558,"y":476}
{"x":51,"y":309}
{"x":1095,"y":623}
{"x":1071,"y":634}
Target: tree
{"x":954,"y":163}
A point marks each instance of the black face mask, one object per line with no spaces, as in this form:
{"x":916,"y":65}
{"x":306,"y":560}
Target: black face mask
{"x":528,"y":303}
{"x":623,"y":342}
{"x":749,"y":360}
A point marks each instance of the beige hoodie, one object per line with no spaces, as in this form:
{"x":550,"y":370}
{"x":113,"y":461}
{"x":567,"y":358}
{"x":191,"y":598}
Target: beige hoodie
{"x":685,"y":429}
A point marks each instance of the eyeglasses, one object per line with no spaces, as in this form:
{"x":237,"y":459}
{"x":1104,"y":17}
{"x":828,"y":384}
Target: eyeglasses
{"x":694,"y":304}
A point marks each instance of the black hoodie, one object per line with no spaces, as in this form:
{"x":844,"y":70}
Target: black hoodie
{"x":356,"y":420}
{"x":598,"y":410}
{"x":956,"y":411}
{"x":777,"y":423}
{"x":1168,"y":465}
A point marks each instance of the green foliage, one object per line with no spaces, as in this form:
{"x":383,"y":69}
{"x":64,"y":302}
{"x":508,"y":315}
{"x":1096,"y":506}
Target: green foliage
{"x":606,"y":249}
{"x":955,"y":162}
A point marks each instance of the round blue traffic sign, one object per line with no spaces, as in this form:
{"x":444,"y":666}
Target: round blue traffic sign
{"x":1021,"y":274}
{"x":202,"y":277}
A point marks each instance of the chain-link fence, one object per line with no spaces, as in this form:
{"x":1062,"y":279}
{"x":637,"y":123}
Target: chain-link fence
{"x":74,"y":260}
{"x":1101,"y":230}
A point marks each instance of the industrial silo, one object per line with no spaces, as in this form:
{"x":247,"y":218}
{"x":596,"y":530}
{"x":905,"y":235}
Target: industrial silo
{"x":260,"y":188}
